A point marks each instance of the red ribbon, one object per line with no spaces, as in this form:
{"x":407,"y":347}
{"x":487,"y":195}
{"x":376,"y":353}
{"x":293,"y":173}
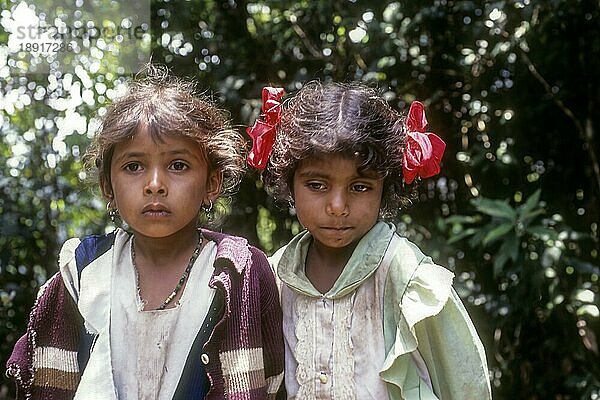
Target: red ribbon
{"x":424,"y":150}
{"x":263,"y":130}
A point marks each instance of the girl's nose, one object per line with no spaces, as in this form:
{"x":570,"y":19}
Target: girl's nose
{"x":337,"y":204}
{"x":155,"y":184}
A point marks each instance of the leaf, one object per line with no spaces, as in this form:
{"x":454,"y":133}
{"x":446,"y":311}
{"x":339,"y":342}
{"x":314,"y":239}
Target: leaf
{"x":499,"y":262}
{"x":461,"y":219}
{"x":461,"y":235}
{"x":542,"y":231}
{"x":508,"y":251}
{"x":531,"y":203}
{"x":480,"y":234}
{"x":495,"y":208}
{"x":531,"y":215}
{"x":497,"y":233}
{"x":511,"y":246}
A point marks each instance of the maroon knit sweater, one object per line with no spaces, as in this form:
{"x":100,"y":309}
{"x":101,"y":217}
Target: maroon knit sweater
{"x":249,"y":333}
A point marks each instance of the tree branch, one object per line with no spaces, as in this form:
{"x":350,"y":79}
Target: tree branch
{"x":311,"y":48}
{"x":586,"y":133}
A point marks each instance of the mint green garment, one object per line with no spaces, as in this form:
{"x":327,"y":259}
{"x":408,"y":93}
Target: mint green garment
{"x":421,"y":312}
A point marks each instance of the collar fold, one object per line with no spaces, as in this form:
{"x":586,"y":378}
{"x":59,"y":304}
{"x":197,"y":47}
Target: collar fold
{"x":362,"y":264}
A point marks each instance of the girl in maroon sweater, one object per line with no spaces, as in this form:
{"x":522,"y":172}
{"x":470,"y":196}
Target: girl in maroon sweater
{"x":161,"y":309}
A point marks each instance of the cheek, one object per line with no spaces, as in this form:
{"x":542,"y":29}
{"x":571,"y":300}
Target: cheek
{"x":305,"y":211}
{"x":125,"y":191}
{"x":373,"y":205}
{"x":303,"y":200}
{"x":119,"y":189}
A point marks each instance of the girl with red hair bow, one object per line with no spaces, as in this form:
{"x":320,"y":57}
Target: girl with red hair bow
{"x":366,"y":315}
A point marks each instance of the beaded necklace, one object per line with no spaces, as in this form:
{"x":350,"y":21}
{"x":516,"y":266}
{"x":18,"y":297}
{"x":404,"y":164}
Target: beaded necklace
{"x":181,"y":281}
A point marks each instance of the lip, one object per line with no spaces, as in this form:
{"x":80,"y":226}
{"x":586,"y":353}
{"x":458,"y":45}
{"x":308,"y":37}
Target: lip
{"x":337,"y":228}
{"x":155,"y":210}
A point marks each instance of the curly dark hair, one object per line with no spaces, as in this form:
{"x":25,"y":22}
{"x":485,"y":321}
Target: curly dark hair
{"x":344,"y":118}
{"x":168,"y":105}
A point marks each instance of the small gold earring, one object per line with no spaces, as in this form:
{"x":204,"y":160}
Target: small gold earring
{"x":112,"y":212}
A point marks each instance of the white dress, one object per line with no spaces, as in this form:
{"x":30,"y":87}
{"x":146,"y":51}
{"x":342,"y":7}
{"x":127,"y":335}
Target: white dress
{"x":391,"y":327}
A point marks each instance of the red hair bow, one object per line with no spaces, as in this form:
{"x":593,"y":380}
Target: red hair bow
{"x":424,"y":150}
{"x":263,"y":130}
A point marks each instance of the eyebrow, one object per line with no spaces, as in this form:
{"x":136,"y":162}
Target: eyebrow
{"x":313,"y":174}
{"x":318,"y":174}
{"x":176,"y":152}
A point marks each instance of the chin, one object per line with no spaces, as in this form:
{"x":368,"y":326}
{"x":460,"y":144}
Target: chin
{"x":338,"y":244}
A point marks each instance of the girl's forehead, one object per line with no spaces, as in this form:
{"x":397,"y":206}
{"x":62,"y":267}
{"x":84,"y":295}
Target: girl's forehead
{"x":334,"y":165}
{"x":329,"y":158}
{"x":332,"y":158}
{"x":146,"y":136}
{"x":145,"y":141}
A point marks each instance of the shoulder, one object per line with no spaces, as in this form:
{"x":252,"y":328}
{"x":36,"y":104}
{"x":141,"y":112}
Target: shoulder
{"x":78,"y":253}
{"x":402,"y":247}
{"x":291,"y":253}
{"x":419,"y":285}
{"x":235,"y":251}
{"x":412,"y":270}
{"x":89,"y":248}
{"x":247,"y":265}
{"x":274,"y":259}
{"x":260,"y":263}
{"x":409,"y":256}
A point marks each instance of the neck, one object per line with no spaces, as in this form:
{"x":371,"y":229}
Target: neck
{"x":165,"y":251}
{"x":324,"y":265}
{"x":335,"y":257}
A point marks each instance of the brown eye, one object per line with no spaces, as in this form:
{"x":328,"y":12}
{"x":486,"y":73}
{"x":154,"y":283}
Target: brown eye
{"x":316,"y":186}
{"x":132,"y":167}
{"x":359,"y":187}
{"x":179,"y":166}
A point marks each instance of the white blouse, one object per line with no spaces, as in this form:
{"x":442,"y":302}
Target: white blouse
{"x":149,"y":348}
{"x":137,"y":354}
{"x":336,"y":346}
{"x":334,"y":342}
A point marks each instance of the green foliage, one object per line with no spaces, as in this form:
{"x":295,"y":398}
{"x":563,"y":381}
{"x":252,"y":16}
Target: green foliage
{"x":512,"y":87}
{"x":507,"y":225}
{"x":540,"y":283}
